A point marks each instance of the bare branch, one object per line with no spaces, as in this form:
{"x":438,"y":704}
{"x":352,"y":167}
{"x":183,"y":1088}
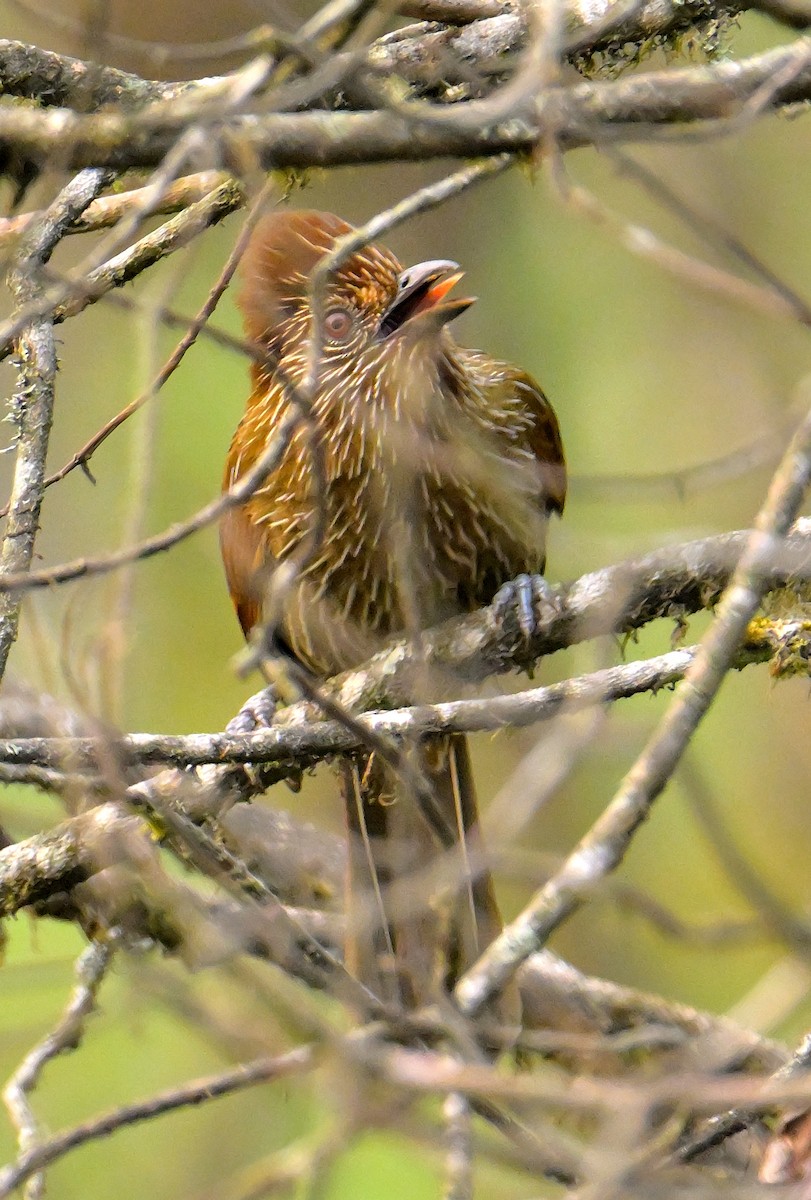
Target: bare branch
{"x":643,"y":106}
{"x":59,"y":859}
{"x":680,"y":580}
{"x":106,"y":211}
{"x":208,"y":515}
{"x":264,"y":1070}
{"x":770,"y":297}
{"x":34,"y":397}
{"x":91,"y":968}
{"x":83,"y":456}
{"x":297,"y":744}
{"x":124,"y":267}
{"x":57,"y":80}
{"x":602,"y":849}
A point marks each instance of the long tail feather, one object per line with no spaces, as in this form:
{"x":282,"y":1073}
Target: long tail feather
{"x":420,"y":910}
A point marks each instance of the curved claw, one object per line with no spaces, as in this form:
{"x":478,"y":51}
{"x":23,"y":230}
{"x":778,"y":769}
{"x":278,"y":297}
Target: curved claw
{"x":256,"y":713}
{"x":526,"y":596}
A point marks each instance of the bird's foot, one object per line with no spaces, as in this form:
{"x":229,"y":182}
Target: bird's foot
{"x":527,"y":599}
{"x":256,"y":713}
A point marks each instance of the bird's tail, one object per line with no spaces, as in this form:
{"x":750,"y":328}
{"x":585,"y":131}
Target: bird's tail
{"x":420,"y":901}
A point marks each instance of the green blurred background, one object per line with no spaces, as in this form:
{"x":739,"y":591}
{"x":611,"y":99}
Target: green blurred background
{"x":650,"y":377}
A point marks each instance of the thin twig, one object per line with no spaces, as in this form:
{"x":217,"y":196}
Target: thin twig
{"x":83,"y":456}
{"x":91,"y":968}
{"x":775,"y":916}
{"x":106,"y":211}
{"x":83,"y":567}
{"x":771,"y":297}
{"x":764,"y":450}
{"x":34,"y":397}
{"x":57,"y":782}
{"x":158,"y":52}
{"x":459,"y":1147}
{"x":712,"y":232}
{"x":226,"y":1083}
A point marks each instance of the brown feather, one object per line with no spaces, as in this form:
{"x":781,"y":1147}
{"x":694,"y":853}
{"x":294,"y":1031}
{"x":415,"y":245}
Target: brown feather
{"x":243,"y":555}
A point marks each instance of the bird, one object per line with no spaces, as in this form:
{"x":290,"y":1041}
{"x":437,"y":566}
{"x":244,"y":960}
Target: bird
{"x":440,"y":468}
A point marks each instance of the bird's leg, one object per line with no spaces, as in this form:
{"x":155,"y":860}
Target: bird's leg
{"x":528,"y":599}
{"x":257,"y":713}
{"x":282,"y":675}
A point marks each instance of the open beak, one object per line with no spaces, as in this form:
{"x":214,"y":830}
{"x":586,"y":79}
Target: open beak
{"x":422,"y":290}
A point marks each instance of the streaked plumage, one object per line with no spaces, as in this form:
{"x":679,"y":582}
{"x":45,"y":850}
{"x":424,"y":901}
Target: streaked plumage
{"x":442,"y":467}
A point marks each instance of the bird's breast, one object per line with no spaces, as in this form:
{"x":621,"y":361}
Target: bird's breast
{"x":421,"y":519}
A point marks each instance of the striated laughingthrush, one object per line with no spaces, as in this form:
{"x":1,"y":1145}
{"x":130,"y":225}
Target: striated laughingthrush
{"x":441,"y":467}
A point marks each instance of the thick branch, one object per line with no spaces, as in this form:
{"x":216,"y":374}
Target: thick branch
{"x":586,"y":113}
{"x":617,"y":599}
{"x":454,"y":41}
{"x":436,"y":53}
{"x":56,"y":79}
{"x":302,"y":743}
{"x":421,"y":53}
{"x":52,"y":862}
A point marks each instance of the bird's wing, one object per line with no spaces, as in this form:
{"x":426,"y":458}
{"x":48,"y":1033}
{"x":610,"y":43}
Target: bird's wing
{"x":543,"y":436}
{"x":245,"y":562}
{"x":524,"y":416}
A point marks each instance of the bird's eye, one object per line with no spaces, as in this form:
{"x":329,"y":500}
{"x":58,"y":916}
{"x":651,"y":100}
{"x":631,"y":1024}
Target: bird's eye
{"x":338,"y":324}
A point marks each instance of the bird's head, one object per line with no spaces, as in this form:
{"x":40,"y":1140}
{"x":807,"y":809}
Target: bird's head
{"x":373,"y":311}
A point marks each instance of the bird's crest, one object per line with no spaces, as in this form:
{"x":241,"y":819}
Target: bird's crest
{"x":280,"y":259}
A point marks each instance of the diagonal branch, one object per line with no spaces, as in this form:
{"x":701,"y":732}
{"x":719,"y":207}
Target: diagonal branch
{"x":225,"y":1083}
{"x":67,"y":299}
{"x":603,"y":848}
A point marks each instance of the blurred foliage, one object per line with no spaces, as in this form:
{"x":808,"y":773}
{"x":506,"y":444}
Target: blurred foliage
{"x":649,"y":375}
